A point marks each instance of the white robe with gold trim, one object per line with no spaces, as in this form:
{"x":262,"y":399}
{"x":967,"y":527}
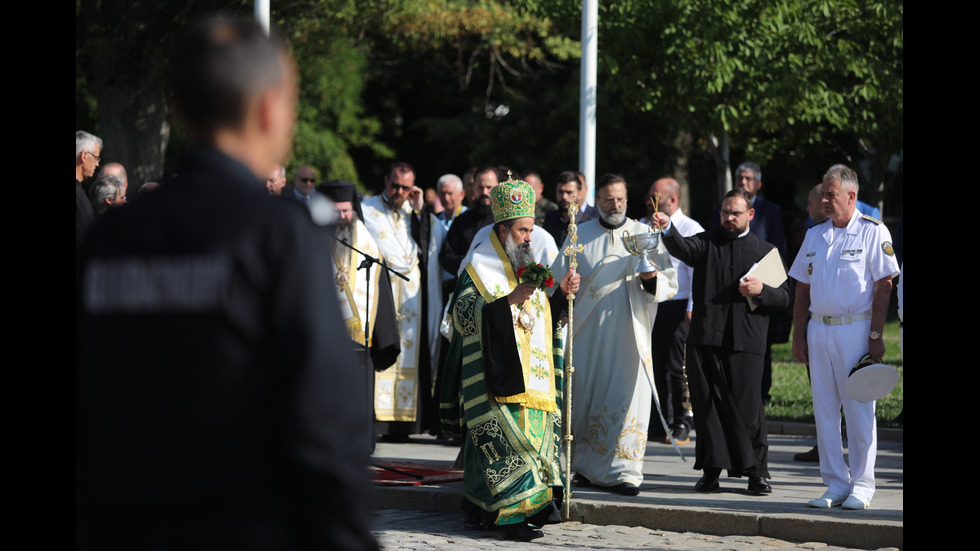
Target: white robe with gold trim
{"x":396,"y":391}
{"x":612,"y":387}
{"x":352,"y":290}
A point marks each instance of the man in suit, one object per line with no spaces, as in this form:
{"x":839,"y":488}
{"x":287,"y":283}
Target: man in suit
{"x":304,"y":184}
{"x":88,"y":154}
{"x":569,"y":188}
{"x":465,"y":226}
{"x":768,"y":221}
{"x":543,"y":205}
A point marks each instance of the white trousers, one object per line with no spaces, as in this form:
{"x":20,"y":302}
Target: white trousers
{"x":833,"y":351}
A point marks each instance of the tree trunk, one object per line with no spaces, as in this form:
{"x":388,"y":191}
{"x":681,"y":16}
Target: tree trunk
{"x":135,"y":124}
{"x":723,"y":172}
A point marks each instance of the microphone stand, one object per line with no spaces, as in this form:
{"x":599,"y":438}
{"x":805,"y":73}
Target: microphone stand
{"x":366,"y":265}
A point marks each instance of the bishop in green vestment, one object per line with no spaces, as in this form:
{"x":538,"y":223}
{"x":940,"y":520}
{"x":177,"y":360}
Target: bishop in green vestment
{"x":502,"y":386}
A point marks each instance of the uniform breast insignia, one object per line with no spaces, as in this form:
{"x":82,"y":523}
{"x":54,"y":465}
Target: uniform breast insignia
{"x":809,"y":269}
{"x":870,"y":218}
{"x":887,"y":248}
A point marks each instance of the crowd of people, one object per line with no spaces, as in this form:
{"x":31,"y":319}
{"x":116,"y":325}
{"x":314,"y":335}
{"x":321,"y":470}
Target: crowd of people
{"x":260,"y":345}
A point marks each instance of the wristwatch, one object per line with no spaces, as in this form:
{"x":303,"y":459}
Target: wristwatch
{"x":874,"y":335}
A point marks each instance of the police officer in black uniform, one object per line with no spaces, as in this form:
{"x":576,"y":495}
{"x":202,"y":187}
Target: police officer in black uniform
{"x":213,"y":372}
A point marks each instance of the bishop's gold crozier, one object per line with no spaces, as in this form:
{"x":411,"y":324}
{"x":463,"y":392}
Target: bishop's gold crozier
{"x":571,"y":251}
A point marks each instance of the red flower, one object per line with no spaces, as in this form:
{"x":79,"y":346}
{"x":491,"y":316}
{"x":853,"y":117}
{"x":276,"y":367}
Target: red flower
{"x":520,"y":271}
{"x":549,"y":282}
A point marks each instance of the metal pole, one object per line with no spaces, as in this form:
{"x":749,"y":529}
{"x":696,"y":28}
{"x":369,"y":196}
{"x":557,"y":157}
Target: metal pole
{"x":587,"y":95}
{"x":262,"y":14}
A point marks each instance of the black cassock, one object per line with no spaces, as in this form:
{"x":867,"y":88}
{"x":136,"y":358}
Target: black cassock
{"x":725,"y":350}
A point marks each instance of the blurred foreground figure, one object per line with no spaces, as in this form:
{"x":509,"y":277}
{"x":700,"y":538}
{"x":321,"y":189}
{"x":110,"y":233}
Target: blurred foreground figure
{"x":213,"y":371}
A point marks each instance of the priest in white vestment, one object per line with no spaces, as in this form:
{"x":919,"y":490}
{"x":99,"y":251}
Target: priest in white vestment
{"x":409,"y":239}
{"x":613,"y":387}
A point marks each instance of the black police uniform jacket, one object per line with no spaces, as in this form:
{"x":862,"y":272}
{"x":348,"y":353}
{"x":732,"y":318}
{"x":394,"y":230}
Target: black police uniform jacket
{"x":218,"y":403}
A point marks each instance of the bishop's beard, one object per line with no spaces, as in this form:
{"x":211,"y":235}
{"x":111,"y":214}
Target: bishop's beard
{"x":519,"y":254}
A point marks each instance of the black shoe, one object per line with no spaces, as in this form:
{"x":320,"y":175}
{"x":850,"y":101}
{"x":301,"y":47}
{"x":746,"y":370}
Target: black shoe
{"x":759,"y":486}
{"x":520,"y":532}
{"x":395,"y":438}
{"x":580,"y":481}
{"x":681,"y":434}
{"x":626,"y":489}
{"x":810,"y":456}
{"x":708,"y":482}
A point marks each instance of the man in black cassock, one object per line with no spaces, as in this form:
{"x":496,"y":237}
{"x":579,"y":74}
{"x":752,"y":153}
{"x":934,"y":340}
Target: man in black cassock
{"x":727,"y":343}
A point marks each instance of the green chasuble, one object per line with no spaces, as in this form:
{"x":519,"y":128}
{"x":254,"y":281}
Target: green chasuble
{"x":501,"y":392}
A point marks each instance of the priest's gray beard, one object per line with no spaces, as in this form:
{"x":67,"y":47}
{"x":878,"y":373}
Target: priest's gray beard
{"x":519,"y":255}
{"x":612,"y":217}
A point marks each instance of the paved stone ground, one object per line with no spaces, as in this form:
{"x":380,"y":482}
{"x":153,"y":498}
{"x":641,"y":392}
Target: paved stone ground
{"x":418,"y":530}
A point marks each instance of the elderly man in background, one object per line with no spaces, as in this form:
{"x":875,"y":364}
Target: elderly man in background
{"x":449,"y":189}
{"x":276,"y":180}
{"x":107,"y":192}
{"x":88,"y":154}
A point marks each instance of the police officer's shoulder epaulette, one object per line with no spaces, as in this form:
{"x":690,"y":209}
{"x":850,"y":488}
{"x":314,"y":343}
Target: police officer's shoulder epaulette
{"x":870,"y":218}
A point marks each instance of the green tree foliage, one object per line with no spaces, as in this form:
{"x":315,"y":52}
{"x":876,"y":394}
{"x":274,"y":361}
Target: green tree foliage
{"x":448,"y":84}
{"x":777,"y":76}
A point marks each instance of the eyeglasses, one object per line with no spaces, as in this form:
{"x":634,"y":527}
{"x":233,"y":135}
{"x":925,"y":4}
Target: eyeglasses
{"x":614,"y":201}
{"x":733,"y":213}
{"x":307,"y":180}
{"x":98,"y":158}
{"x":399,"y":187}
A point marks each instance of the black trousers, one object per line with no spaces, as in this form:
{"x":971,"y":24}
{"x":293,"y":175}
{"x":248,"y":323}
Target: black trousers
{"x":668,"y":339}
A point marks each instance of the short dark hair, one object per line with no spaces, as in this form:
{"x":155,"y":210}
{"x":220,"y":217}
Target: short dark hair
{"x":400,"y":167}
{"x":495,"y":170}
{"x":569,"y":176}
{"x":220,"y":65}
{"x":739,"y":192}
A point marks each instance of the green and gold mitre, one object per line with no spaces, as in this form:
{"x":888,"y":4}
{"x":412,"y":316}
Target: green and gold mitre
{"x":512,"y":199}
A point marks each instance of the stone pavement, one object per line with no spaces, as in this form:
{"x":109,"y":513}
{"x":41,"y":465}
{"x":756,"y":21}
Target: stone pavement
{"x":668,"y":513}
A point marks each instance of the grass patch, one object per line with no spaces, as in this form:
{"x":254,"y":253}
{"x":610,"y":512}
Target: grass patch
{"x":791,"y":400}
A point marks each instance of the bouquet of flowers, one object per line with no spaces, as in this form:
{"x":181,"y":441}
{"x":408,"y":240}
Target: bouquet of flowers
{"x":537,"y":275}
